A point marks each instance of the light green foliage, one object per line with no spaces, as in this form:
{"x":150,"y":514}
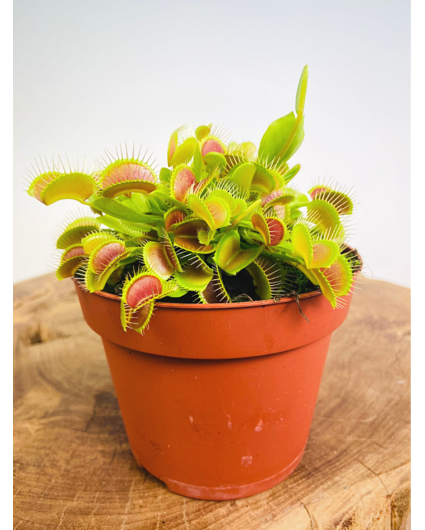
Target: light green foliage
{"x":218,"y":209}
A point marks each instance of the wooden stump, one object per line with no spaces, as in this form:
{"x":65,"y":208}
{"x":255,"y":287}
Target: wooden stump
{"x":73,"y":464}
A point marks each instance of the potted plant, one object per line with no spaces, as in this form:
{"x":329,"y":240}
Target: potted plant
{"x":215,"y":285}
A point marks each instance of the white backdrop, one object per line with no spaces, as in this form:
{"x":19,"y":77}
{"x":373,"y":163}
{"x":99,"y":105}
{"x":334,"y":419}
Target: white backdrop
{"x":90,"y":74}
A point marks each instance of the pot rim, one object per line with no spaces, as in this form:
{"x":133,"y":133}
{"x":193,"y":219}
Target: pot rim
{"x":237,"y":305}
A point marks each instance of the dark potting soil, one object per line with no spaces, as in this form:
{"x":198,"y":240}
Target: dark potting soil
{"x":239,"y":287}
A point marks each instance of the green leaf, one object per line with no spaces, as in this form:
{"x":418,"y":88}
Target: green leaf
{"x":200,"y":210}
{"x":324,"y":215}
{"x":339,"y":275}
{"x":246,"y":213}
{"x":156,"y":259}
{"x":127,"y":187}
{"x":226,"y":196}
{"x":76,"y":231}
{"x":51,"y":187}
{"x":301,"y":91}
{"x":165,"y":175}
{"x":212,"y":144}
{"x":139,"y":318}
{"x":115,"y":209}
{"x":296,"y":135}
{"x":71,"y":260}
{"x":173,"y":216}
{"x":275,"y":137}
{"x":170,"y":251}
{"x":248,"y":149}
{"x":144,"y":203}
{"x":267,"y":276}
{"x":265,"y":181}
{"x":104,"y":261}
{"x":186,"y":236}
{"x":91,"y":241}
{"x":324,"y":254}
{"x":215,"y":292}
{"x":260,"y":225}
{"x":182,"y":179}
{"x":125,"y":227}
{"x":290,"y":174}
{"x":196,"y":275}
{"x":316,"y":254}
{"x":206,"y":237}
{"x":184,"y":153}
{"x":300,"y":199}
{"x":339,"y":200}
{"x":165,"y":197}
{"x":231,"y":257}
{"x":172,"y":145}
{"x":215,"y":161}
{"x":178,"y":293}
{"x":302,"y":242}
{"x":198,"y":163}
{"x":296,"y":142}
{"x":242,"y":176}
{"x":141,"y":288}
{"x":202,"y":132}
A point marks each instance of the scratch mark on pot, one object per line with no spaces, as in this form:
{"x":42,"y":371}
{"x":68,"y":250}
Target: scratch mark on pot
{"x":259,"y":426}
{"x":191,"y":419}
{"x":229,"y":419}
{"x":246,"y":461}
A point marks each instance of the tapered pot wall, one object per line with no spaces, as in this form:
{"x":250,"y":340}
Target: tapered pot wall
{"x":203,"y":412}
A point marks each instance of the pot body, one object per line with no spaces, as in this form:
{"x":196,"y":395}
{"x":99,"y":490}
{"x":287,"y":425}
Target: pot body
{"x":217,"y":400}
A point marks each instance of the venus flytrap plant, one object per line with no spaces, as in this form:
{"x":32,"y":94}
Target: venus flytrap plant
{"x":222,"y":223}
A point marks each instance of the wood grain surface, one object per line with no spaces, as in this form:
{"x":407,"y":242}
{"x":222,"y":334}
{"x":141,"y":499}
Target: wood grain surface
{"x":73,"y":464}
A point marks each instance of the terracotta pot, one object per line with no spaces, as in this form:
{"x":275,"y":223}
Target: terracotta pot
{"x":218,"y":399}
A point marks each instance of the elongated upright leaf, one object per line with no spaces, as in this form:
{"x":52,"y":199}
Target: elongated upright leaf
{"x":275,"y":137}
{"x":301,"y":91}
{"x":296,"y":142}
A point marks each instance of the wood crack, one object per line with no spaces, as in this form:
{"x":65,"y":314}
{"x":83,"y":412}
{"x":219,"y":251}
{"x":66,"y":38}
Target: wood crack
{"x":313,"y":522}
{"x":374,"y":473}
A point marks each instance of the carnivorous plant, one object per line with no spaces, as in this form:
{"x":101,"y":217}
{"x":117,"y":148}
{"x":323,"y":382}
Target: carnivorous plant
{"x":221,"y":224}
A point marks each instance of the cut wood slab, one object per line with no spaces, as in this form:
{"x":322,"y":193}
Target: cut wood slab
{"x":73,"y":464}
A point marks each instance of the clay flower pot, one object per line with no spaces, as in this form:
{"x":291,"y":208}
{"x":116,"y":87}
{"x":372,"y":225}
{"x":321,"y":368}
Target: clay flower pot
{"x":217,"y":400}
